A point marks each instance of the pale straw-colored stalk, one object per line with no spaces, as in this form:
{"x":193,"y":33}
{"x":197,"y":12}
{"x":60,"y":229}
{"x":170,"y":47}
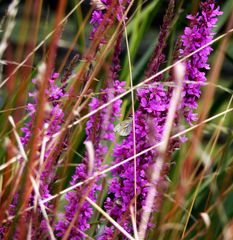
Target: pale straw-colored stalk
{"x":111,"y":220}
{"x":134,"y":224}
{"x":29,"y":233}
{"x":91,"y":157}
{"x":20,"y":145}
{"x":133,"y":128}
{"x":42,"y":207}
{"x":11,"y":161}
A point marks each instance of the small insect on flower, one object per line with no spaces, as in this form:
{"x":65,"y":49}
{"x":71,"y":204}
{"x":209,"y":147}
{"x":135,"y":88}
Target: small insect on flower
{"x":98,"y":4}
{"x":124,"y":128}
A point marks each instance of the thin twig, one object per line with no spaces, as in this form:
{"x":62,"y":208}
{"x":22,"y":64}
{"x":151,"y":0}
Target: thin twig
{"x":133,"y":128}
{"x":120,"y":228}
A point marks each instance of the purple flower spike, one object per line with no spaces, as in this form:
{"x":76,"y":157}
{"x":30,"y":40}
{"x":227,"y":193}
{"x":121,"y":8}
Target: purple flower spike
{"x":195,"y":36}
{"x":99,"y":130}
{"x":52,"y":123}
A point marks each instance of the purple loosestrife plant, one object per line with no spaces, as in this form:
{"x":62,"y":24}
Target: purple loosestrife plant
{"x":52,"y":124}
{"x":47,"y":164}
{"x":195,"y":36}
{"x":150,"y":119}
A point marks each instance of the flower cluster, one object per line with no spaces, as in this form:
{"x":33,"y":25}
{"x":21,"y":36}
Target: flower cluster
{"x":105,"y":14}
{"x":150,"y":115}
{"x":195,"y":36}
{"x":52,"y":123}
